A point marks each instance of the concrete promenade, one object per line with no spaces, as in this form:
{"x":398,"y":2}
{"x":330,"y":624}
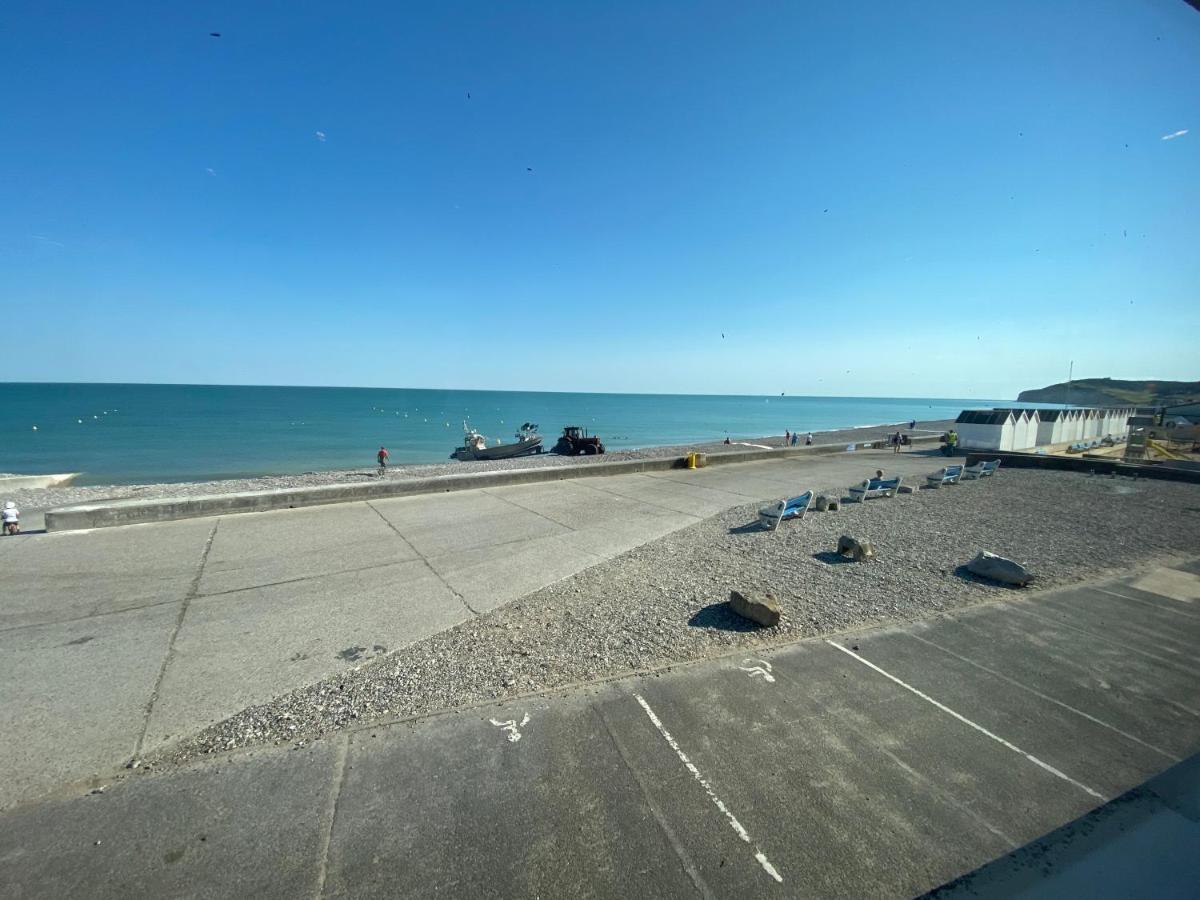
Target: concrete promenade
{"x":116,"y":642}
{"x":881,"y":763}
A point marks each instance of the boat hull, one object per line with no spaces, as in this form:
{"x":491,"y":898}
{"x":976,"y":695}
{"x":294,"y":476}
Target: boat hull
{"x":504,"y":451}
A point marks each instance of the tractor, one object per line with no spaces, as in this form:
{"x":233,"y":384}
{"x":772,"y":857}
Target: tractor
{"x":575,"y":442}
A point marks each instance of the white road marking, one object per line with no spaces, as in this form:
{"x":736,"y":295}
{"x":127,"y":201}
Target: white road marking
{"x":761,"y":667}
{"x":512,"y":727}
{"x":1037,"y":693}
{"x":691,"y":767}
{"x":1164,"y":607}
{"x":1127,"y":648}
{"x":995,"y":737}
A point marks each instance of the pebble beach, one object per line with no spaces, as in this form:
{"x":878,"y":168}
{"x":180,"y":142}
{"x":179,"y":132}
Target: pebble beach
{"x":663,"y":603}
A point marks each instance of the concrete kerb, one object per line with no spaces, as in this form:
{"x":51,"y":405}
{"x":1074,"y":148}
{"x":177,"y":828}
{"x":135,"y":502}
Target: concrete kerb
{"x":135,"y":512}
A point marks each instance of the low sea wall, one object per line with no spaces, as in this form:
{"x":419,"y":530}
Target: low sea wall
{"x":134,"y":512}
{"x":1090,"y":464}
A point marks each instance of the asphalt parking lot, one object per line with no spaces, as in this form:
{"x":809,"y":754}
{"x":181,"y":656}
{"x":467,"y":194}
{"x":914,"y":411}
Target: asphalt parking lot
{"x":878,"y":764}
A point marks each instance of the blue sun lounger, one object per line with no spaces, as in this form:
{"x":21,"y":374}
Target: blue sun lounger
{"x":791,"y":508}
{"x":874,"y":487}
{"x":947,"y":475}
{"x":981,"y":469}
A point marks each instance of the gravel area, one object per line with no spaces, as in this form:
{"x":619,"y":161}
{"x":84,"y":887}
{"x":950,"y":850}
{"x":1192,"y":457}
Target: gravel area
{"x":663,"y":602}
{"x":51,"y":498}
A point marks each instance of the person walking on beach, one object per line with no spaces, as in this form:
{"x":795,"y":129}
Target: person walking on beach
{"x":808,"y":440}
{"x":795,"y":438}
{"x":11,"y":516}
{"x":382,"y":456}
{"x":787,"y":437}
{"x":896,"y":442}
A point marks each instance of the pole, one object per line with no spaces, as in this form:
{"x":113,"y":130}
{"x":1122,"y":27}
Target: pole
{"x":1070,"y":373}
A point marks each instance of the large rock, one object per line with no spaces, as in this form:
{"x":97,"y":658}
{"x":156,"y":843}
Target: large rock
{"x":764,"y":610}
{"x":821,"y":503}
{"x":997,"y":568}
{"x":855,"y":549}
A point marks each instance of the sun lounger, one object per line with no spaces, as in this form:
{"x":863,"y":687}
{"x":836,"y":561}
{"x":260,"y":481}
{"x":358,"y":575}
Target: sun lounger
{"x":791,"y":508}
{"x":981,"y":469}
{"x":874,"y":487}
{"x":947,"y":475}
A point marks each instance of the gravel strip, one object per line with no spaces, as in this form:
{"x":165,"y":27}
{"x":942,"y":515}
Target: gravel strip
{"x":51,"y":498}
{"x":663,"y":602}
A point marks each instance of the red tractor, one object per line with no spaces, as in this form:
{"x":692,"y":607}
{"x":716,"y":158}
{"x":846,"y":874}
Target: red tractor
{"x":575,"y":442}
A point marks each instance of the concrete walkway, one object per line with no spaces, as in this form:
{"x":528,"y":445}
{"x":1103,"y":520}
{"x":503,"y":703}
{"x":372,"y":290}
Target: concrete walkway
{"x":880,"y":764}
{"x":118,"y":641}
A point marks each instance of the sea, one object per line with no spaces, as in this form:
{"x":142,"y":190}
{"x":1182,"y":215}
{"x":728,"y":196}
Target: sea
{"x":148,"y":433}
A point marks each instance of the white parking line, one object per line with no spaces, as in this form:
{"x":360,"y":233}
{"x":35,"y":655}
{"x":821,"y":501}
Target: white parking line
{"x":1164,"y":607}
{"x":733,"y":822}
{"x":1046,"y":697}
{"x":995,"y":737}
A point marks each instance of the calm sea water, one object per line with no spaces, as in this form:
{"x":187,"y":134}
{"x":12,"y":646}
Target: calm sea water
{"x":138,"y":433}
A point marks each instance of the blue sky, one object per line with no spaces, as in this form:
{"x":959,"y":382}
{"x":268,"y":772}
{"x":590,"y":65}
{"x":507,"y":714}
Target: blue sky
{"x":938,"y":199}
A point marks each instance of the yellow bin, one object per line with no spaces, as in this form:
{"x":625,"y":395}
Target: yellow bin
{"x":691,"y":460}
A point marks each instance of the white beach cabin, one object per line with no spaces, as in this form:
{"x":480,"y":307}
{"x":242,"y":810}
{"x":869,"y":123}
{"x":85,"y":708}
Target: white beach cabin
{"x":983,"y":429}
{"x":1049,"y":427}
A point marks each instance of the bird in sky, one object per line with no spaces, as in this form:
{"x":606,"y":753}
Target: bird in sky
{"x":214,"y":34}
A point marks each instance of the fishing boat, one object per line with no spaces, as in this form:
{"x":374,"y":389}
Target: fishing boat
{"x":475,"y":445}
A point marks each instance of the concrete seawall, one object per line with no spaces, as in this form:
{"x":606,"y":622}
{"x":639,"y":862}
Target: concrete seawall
{"x":134,"y":512}
{"x":1091,"y":464}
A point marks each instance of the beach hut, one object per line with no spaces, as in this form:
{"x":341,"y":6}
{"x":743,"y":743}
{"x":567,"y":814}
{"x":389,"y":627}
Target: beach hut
{"x":1112,"y":422}
{"x":1081,"y":430}
{"x":1012,"y":427}
{"x":1073,"y":426}
{"x":1049,"y":430}
{"x":1020,"y":429}
{"x":1032,"y":420}
{"x":984,"y":429}
{"x":1121,"y":427}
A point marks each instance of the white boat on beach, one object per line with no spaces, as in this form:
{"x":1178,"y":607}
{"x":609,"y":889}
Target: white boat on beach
{"x":475,"y":445}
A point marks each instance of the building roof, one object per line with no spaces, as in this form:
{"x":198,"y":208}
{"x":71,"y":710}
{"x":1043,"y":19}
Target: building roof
{"x":971,"y":416}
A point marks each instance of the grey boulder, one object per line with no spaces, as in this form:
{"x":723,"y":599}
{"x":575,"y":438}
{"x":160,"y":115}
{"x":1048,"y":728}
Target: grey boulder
{"x":997,"y":568}
{"x":855,"y":549}
{"x":764,"y":610}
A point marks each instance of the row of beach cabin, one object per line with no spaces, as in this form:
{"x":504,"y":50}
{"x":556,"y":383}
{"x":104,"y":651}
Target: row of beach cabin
{"x":1026,"y":429}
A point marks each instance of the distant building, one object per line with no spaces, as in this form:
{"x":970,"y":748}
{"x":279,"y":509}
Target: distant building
{"x":1026,"y":429}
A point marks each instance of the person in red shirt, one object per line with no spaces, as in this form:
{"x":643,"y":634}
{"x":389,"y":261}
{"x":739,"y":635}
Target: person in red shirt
{"x":382,"y":456}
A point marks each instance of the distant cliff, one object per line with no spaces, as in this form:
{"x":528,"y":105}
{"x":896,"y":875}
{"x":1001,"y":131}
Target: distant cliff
{"x":1110,"y":392}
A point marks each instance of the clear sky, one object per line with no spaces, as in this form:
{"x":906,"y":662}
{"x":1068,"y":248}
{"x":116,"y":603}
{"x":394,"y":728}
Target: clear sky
{"x":902,"y":198}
